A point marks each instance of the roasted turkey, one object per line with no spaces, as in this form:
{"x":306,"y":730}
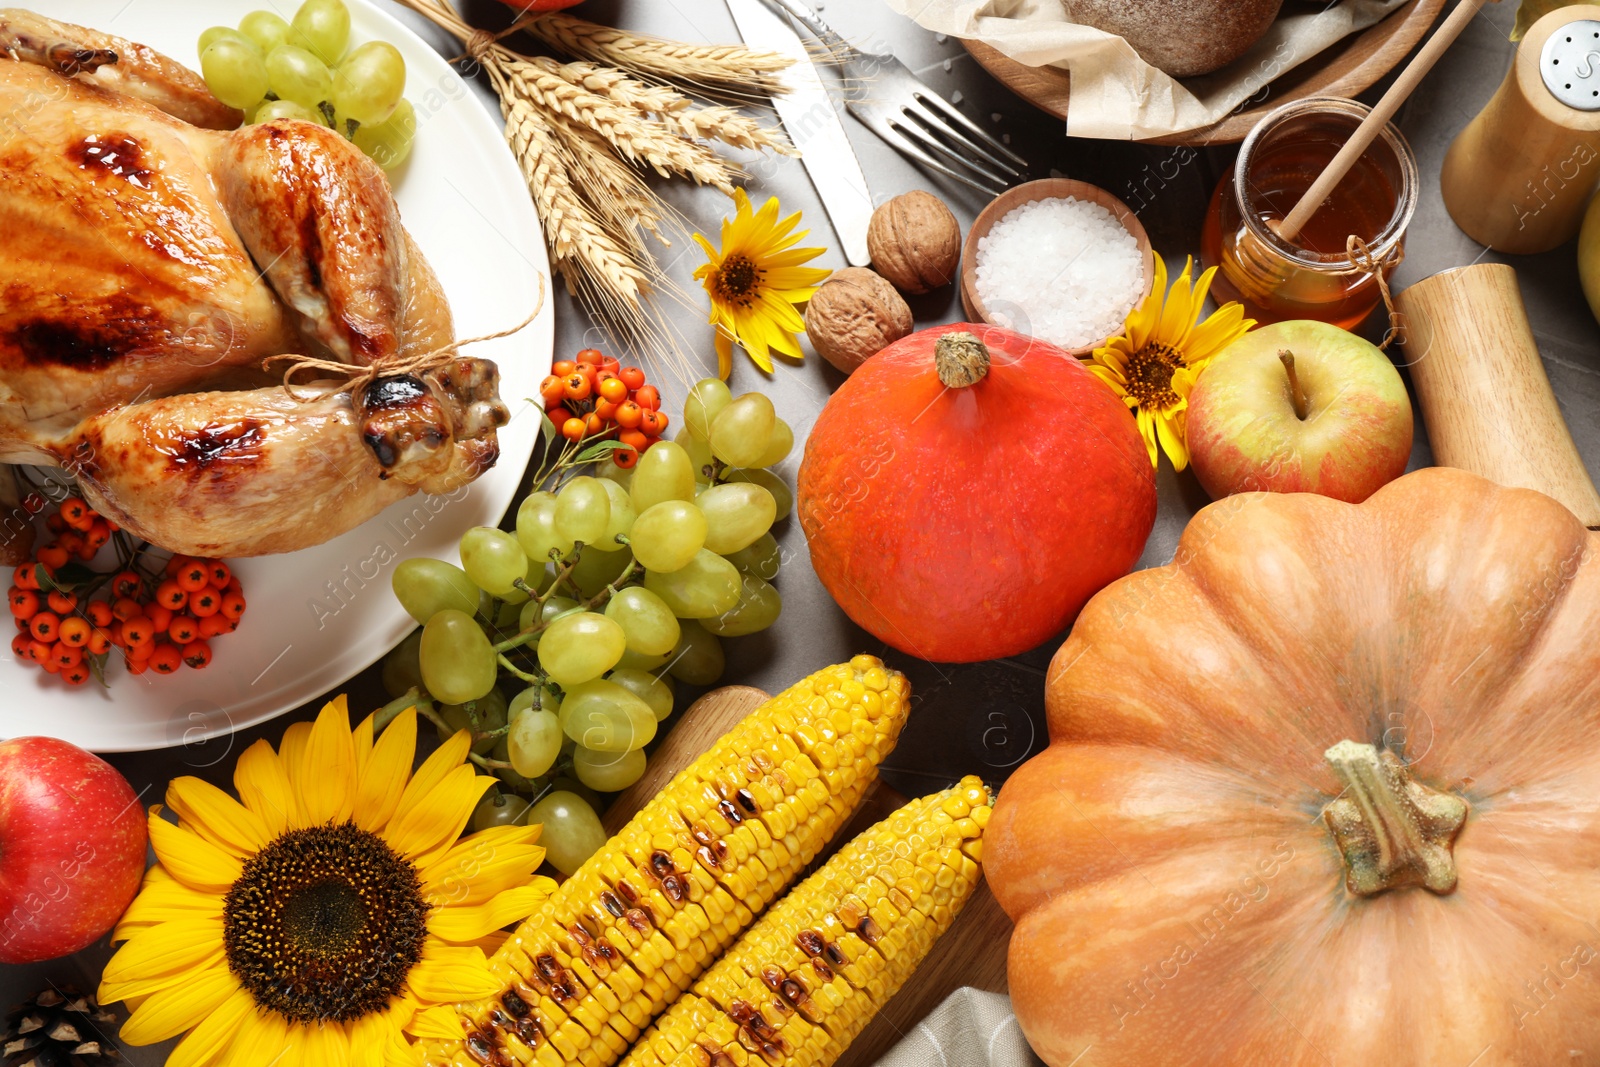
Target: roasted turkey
{"x":153,"y":254}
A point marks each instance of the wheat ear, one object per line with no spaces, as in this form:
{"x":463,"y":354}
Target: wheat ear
{"x":578,"y":241}
{"x":670,"y":108}
{"x":728,"y":68}
{"x":623,"y":128}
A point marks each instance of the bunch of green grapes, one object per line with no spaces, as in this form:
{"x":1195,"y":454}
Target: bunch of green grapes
{"x":305,"y":69}
{"x":560,"y":645}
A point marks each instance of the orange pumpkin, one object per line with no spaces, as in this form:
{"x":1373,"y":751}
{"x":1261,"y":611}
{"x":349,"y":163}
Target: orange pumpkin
{"x":1323,"y":792}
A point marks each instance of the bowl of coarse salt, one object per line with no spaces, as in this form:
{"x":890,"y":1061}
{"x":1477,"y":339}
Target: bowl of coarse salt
{"x":1056,"y":259}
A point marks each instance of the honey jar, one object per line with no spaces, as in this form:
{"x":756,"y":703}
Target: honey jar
{"x":1314,"y":276}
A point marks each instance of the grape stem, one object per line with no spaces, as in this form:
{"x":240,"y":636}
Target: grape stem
{"x":616,"y":584}
{"x":411,"y":698}
{"x":426,"y":710}
{"x":490,"y":764}
{"x":506,"y":664}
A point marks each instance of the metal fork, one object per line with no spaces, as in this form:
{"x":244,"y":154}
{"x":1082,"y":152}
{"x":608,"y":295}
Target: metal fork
{"x":896,"y":105}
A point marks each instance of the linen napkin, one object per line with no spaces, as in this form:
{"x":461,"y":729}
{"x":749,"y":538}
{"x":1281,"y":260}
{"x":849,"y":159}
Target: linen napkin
{"x":1118,"y":96}
{"x":969,"y":1028}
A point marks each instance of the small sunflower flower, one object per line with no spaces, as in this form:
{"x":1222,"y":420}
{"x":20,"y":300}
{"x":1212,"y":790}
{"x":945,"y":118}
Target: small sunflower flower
{"x":1162,"y":349}
{"x":330,"y":911}
{"x":756,"y":280}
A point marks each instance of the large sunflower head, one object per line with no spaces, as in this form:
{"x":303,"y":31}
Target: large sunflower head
{"x":1163,"y":347}
{"x":755,"y":282}
{"x":328,"y":912}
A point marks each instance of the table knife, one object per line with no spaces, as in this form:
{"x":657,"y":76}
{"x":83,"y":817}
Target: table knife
{"x":815,"y":126}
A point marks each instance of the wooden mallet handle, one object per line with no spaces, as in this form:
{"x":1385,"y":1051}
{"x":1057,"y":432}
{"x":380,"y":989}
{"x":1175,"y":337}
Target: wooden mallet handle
{"x":1374,"y":123}
{"x":1485,"y":398}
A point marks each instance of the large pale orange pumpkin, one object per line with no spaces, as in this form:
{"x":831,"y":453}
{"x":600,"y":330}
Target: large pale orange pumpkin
{"x":1324,"y":792}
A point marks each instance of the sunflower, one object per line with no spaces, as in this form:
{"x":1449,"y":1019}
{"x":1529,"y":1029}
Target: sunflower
{"x":1162,"y":349}
{"x":328,"y":912}
{"x":756,"y":281}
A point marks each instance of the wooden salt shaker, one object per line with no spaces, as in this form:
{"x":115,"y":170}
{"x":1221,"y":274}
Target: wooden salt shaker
{"x":1485,"y":398}
{"x":1518,"y":177}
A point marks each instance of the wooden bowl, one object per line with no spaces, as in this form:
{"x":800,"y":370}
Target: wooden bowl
{"x":1045,"y":189}
{"x":1344,"y":68}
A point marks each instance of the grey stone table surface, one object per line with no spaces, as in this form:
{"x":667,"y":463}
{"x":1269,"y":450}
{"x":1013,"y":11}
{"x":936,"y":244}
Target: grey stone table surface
{"x":978,"y":718}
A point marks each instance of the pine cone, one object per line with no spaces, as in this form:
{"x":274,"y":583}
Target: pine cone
{"x":58,"y":1028}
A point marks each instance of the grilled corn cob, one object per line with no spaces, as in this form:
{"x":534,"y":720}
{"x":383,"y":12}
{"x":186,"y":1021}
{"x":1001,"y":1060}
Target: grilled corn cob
{"x":639,"y":921}
{"x":805,"y":980}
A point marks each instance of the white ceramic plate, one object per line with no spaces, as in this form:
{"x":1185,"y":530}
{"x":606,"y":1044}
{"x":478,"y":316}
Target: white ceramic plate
{"x":317,"y":617}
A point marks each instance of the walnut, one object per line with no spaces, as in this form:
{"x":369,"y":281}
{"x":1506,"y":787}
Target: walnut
{"x":855,"y":314}
{"x":915,"y":242}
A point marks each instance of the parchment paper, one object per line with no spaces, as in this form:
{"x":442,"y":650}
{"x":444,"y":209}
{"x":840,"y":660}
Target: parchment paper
{"x":1115,"y":94}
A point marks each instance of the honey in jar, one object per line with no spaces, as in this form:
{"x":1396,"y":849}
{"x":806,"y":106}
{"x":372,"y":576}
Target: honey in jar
{"x":1312,"y":276}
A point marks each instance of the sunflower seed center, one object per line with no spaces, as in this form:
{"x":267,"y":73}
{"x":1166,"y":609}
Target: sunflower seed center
{"x":1149,"y":377}
{"x":737,"y":280}
{"x":324,"y":924}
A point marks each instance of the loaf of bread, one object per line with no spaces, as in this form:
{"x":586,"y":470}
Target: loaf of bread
{"x":1181,"y":37}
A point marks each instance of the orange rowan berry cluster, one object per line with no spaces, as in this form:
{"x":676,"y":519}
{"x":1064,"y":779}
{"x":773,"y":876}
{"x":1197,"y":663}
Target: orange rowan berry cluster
{"x":593,"y":395}
{"x":157,"y":624}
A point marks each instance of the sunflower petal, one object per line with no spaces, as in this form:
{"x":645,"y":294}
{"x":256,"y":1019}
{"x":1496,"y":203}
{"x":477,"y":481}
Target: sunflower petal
{"x":217,"y":1034}
{"x":724,"y":355}
{"x":217,"y":817}
{"x":397,"y":1053}
{"x":164,"y":899}
{"x":172,"y":1011}
{"x":383,"y":779}
{"x":446,"y":758}
{"x":430,"y":827}
{"x":189,"y":858}
{"x":263,"y":787}
{"x":1148,"y":432}
{"x":438,"y":1022}
{"x":362,"y":737}
{"x":368,"y":1036}
{"x":324,"y":1045}
{"x":327,"y":777}
{"x":1176,"y":312}
{"x":169,"y":948}
{"x":292,"y":748}
{"x":1172,"y":442}
{"x":142,"y":985}
{"x":447,"y":974}
{"x":461,"y":925}
{"x":264,"y":1038}
{"x":476,"y":868}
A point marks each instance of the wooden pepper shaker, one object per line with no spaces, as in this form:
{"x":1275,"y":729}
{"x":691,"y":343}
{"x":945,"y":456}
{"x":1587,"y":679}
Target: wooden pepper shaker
{"x":1518,"y":177}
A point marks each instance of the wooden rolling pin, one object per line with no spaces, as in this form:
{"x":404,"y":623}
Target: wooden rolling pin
{"x":1486,"y":400}
{"x":971,"y":953}
{"x":1518,"y":176}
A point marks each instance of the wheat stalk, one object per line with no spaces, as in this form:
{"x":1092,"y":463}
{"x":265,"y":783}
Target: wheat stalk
{"x":631,"y":134}
{"x":728,"y":68}
{"x":580,"y":132}
{"x":670,"y":108}
{"x":576,"y":237}
{"x":613,"y":188}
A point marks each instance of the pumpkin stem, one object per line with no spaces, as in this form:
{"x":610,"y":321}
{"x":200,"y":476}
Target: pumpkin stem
{"x":1297,"y":395}
{"x":1392,"y":831}
{"x":960,"y":359}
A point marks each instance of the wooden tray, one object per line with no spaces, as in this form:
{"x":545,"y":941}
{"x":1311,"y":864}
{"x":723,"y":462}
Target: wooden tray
{"x":971,"y":953}
{"x":1343,"y":69}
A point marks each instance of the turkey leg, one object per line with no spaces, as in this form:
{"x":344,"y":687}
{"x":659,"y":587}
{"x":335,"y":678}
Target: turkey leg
{"x":233,"y":474}
{"x":115,"y":63}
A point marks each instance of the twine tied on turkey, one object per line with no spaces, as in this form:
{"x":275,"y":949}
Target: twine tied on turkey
{"x":357,"y":378}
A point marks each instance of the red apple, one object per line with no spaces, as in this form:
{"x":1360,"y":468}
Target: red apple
{"x":72,"y":848}
{"x":1299,"y":407}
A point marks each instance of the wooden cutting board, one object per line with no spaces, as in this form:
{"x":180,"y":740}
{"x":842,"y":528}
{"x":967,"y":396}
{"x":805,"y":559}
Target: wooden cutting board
{"x":971,"y":953}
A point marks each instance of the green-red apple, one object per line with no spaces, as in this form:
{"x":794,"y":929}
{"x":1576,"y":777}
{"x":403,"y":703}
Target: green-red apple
{"x":1299,"y":407}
